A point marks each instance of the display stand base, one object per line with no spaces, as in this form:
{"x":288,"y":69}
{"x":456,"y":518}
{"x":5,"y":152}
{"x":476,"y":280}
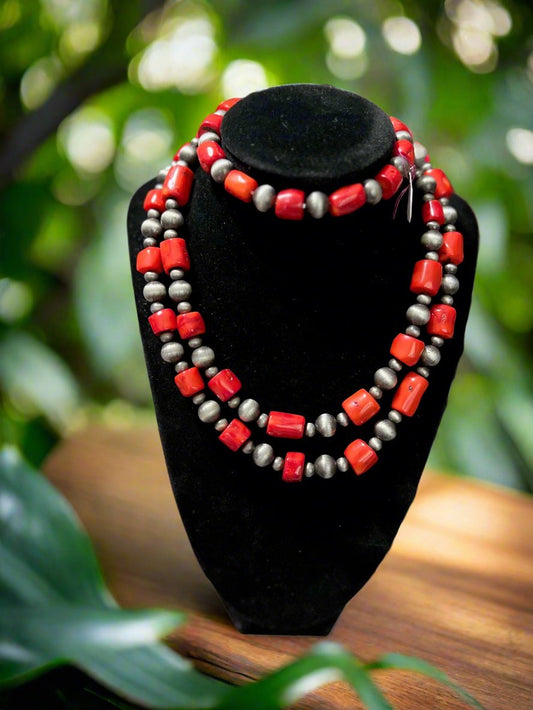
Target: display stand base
{"x":455,"y":590}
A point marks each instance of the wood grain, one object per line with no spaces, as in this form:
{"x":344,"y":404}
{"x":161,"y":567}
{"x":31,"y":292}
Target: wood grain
{"x":456,"y":589}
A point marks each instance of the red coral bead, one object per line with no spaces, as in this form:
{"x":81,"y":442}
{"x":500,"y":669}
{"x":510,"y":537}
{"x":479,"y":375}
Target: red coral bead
{"x":235,"y":434}
{"x":149,"y":259}
{"x":178,"y":184}
{"x":208,"y":153}
{"x":347,"y":199}
{"x":360,"y":456}
{"x":442,"y":321}
{"x":452,"y":250}
{"x":427,"y":277}
{"x":407,"y":349}
{"x":293,"y":468}
{"x":408,"y":395}
{"x":227,"y":104}
{"x":225,"y":385}
{"x":390,"y":180}
{"x":399,"y":125}
{"x":174,"y":254}
{"x":360,"y":406}
{"x":290,"y":204}
{"x":444,"y":186}
{"x":240,"y":185}
{"x":405,"y":149}
{"x":189,"y":382}
{"x":210,"y":123}
{"x":190,"y":324}
{"x":162,"y":320}
{"x":154,"y":200}
{"x":285,"y":426}
{"x":432,"y":212}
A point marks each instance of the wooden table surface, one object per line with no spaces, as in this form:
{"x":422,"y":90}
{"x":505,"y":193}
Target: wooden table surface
{"x":456,"y":588}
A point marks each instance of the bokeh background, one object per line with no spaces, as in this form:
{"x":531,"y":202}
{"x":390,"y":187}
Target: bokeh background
{"x":95,"y":96}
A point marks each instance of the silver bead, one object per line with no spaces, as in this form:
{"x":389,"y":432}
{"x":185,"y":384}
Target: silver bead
{"x":413,"y":330}
{"x":184,"y":307}
{"x":395,"y":364}
{"x":211,"y":372}
{"x":209,"y":411}
{"x":161,"y":175}
{"x":181,"y":366}
{"x":172,"y":352}
{"x":450,"y":214}
{"x":154,"y":291}
{"x":401,"y":164}
{"x":342,"y":463}
{"x":385,"y":430}
{"x":437,"y":341}
{"x":420,"y":154}
{"x":166,"y":337}
{"x":203,"y":356}
{"x":317,"y":204}
{"x":423,"y":371}
{"x":444,"y":201}
{"x":153,"y":213}
{"x":450,"y":269}
{"x":309,"y":470}
{"x":194,"y":342}
{"x":171,"y":219}
{"x":248,"y":447}
{"x":220,"y":112}
{"x":325,"y":466}
{"x":263,"y":455}
{"x":448,"y":300}
{"x":431,"y":255}
{"x":418,"y":314}
{"x":404,"y":136}
{"x":432,"y":239}
{"x":188,"y":153}
{"x":151,"y":228}
{"x":426,"y":183}
{"x":394,"y":416}
{"x":176,"y":274}
{"x":180,"y":162}
{"x":427,"y":165}
{"x":149,"y":242}
{"x":376,"y":392}
{"x":180,"y":290}
{"x":249,"y":410}
{"x":430,"y":356}
{"x":194,"y":140}
{"x":156,"y":307}
{"x":208,"y":136}
{"x":428,"y":197}
{"x":375,"y":443}
{"x":263,"y":197}
{"x":221,"y":424}
{"x":385,"y":378}
{"x":220,"y":169}
{"x":171,"y":204}
{"x":278,"y":462}
{"x":342,"y":419}
{"x":424,"y":299}
{"x":198,"y":398}
{"x":262,"y":420}
{"x":432,"y":225}
{"x":170,"y":234}
{"x":449,"y":228}
{"x":234,"y":402}
{"x":450,"y":284}
{"x":326,"y":425}
{"x":373,"y":191}
{"x":310,"y":429}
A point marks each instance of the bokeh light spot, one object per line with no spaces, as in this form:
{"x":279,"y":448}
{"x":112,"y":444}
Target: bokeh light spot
{"x":402,"y":35}
{"x":243,"y":76}
{"x":88,"y":140}
{"x":39,"y":81}
{"x":346,"y":37}
{"x":520,"y":144}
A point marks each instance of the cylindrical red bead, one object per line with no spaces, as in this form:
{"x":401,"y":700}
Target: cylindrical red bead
{"x":399,"y":125}
{"x":240,"y":185}
{"x":360,"y":407}
{"x":178,"y":184}
{"x":293,"y":468}
{"x":190,"y":324}
{"x":154,"y":200}
{"x":174,"y":254}
{"x":347,"y":199}
{"x":208,"y":153}
{"x":407,"y":349}
{"x":285,"y":426}
{"x":452,"y":249}
{"x":444,"y":186}
{"x":189,"y":382}
{"x":225,"y":385}
{"x":442,"y":320}
{"x":405,"y":149}
{"x":149,"y":259}
{"x":432,"y":212}
{"x":360,"y":456}
{"x":390,"y":180}
{"x":408,"y":395}
{"x":210,"y":123}
{"x":427,"y":277}
{"x":290,"y":204}
{"x":162,"y":320}
{"x":235,"y":434}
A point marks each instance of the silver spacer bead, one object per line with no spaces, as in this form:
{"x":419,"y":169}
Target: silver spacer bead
{"x":385,"y":430}
{"x":156,"y":307}
{"x":326,"y":425}
{"x":428,"y":197}
{"x":171,"y":204}
{"x":263,"y":455}
{"x":450,"y":214}
{"x":184,"y":307}
{"x":448,"y":300}
{"x":424,"y":299}
{"x":394,"y":416}
{"x":209,"y":411}
{"x":426,"y":183}
{"x":181,"y":366}
{"x":309,"y":470}
{"x":385,"y":378}
{"x":437,"y":341}
{"x":149,"y":242}
{"x":194,"y":140}
{"x":170,"y":234}
{"x":373,"y":191}
{"x":262,"y":420}
{"x":376,"y":392}
{"x":248,"y":447}
{"x":450,"y":269}
{"x":401,"y":164}
{"x":153,"y":214}
{"x":420,"y":154}
{"x":180,"y":162}
{"x":221,"y":424}
{"x":418,"y":314}
{"x":423,"y":371}
{"x":161,"y":175}
{"x":432,"y":239}
{"x":310,"y":429}
{"x":264,"y":197}
{"x":325,"y":466}
{"x":375,"y":443}
{"x":171,"y":219}
{"x":430,"y":356}
{"x":198,"y":398}
{"x":395,"y":364}
{"x":317,"y":204}
{"x":211,"y":372}
{"x":194,"y":342}
{"x":180,"y":290}
{"x":431,"y":255}
{"x":166,"y":337}
{"x":208,"y":136}
{"x":177,"y":274}
{"x":151,"y":228}
{"x":342,"y":419}
{"x":278,"y":463}
{"x":203,"y":356}
{"x":444,"y":201}
{"x":450,"y":284}
{"x":404,"y":136}
{"x":172,"y":352}
{"x":432,"y":225}
{"x":234,"y":402}
{"x":342,"y":464}
{"x":249,"y":410}
{"x":413,"y":330}
{"x":188,"y":153}
{"x":220,"y":169}
{"x":154,"y":291}
{"x":449,"y":228}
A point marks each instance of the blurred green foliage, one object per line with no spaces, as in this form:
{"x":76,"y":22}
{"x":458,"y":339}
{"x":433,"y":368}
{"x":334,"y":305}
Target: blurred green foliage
{"x":97,"y":94}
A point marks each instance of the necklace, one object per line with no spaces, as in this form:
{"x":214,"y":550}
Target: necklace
{"x":165,"y":256}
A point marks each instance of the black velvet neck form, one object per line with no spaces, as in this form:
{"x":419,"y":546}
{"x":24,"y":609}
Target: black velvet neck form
{"x":304,"y":313}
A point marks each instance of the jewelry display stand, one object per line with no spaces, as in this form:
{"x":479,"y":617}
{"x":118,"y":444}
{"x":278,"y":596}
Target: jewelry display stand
{"x":304,"y":311}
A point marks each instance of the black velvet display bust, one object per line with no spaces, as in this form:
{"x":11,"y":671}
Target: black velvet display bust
{"x":304,"y":313}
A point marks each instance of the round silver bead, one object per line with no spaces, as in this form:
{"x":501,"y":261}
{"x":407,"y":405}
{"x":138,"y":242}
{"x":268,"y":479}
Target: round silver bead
{"x":376,"y":392}
{"x":198,"y":398}
{"x":151,"y":228}
{"x":149,"y":242}
{"x":450,"y":284}
{"x":194,"y":342}
{"x":184,"y":307}
{"x":325,"y":466}
{"x":249,"y":410}
{"x":221,"y":425}
{"x":248,"y":447}
{"x":263,"y":455}
{"x":342,"y":464}
{"x":171,"y":204}
{"x":385,"y":430}
{"x":432,"y":225}
{"x":154,"y":291}
{"x":449,"y":228}
{"x":172,"y":352}
{"x":220,"y":169}
{"x":171,"y":219}
{"x":437,"y":341}
{"x":394,"y":416}
{"x":181,"y":366}
{"x":326,"y":425}
{"x":373,"y":191}
{"x":188,"y":153}
{"x":450,"y":214}
{"x":432,"y":239}
{"x":194,"y":140}
{"x":166,"y":337}
{"x":234,"y":402}
{"x":444,"y":201}
{"x":264,"y":197}
{"x":428,"y":197}
{"x":404,"y":136}
{"x":430,"y":356}
{"x":156,"y":307}
{"x":342,"y":419}
{"x":309,"y":470}
{"x":423,"y":371}
{"x":262,"y":420}
{"x":310,"y":429}
{"x":395,"y":364}
{"x":170,"y":234}
{"x":278,"y":462}
{"x":448,"y":300}
{"x":208,"y":136}
{"x":426,"y":183}
{"x":209,"y":411}
{"x":424,"y":299}
{"x":431,"y":255}
{"x":418,"y":314}
{"x":161,"y":175}
{"x":375,"y":443}
{"x":176,"y":274}
{"x":413,"y":330}
{"x":420,"y":154}
{"x":203,"y":356}
{"x":211,"y":372}
{"x":385,"y":378}
{"x":450,"y":269}
{"x":401,"y":164}
{"x":180,"y":290}
{"x":317,"y":204}
{"x":153,"y":213}
{"x":180,"y":162}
